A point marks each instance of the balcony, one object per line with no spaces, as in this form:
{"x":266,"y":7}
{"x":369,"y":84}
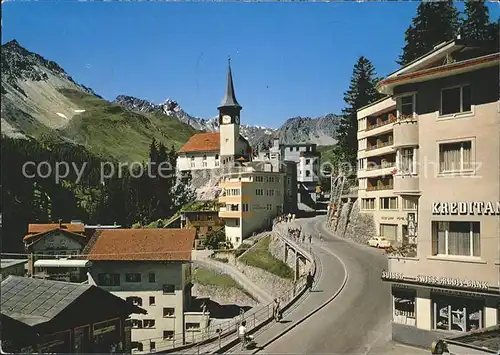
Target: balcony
{"x":406,"y":184}
{"x":405,"y":131}
{"x":382,"y":166}
{"x":380,"y":184}
{"x":380,"y":124}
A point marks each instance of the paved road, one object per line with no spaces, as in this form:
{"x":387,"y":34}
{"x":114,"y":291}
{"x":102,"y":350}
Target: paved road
{"x":357,"y":320}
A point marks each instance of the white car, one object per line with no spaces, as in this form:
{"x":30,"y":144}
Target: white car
{"x":379,"y":242}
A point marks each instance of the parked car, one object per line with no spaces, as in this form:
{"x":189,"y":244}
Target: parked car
{"x":379,"y":242}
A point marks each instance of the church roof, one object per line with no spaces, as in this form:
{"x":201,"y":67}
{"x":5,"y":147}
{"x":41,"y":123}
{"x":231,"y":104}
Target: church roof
{"x":205,"y":142}
{"x":229,"y":97}
{"x":202,"y":142}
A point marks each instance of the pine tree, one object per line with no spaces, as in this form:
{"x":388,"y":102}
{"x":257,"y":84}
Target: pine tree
{"x":476,"y":24}
{"x":436,"y":22}
{"x":361,"y":92}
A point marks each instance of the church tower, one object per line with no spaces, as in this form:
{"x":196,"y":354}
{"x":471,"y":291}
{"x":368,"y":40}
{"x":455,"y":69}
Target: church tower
{"x":229,"y":121}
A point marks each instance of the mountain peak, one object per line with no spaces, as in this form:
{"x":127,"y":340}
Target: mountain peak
{"x":12,"y":44}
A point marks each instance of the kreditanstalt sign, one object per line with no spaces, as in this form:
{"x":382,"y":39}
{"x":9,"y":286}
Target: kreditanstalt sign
{"x":487,"y":208}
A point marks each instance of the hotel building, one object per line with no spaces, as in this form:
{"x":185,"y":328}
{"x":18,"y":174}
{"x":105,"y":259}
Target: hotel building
{"x":448,"y":117}
{"x":380,"y":157}
{"x":251,"y":198}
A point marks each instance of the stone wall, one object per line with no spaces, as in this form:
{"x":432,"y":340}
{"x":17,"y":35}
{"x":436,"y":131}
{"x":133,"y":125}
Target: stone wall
{"x":354,"y":225}
{"x":277,"y":249}
{"x":272,"y":284}
{"x":223,"y":296}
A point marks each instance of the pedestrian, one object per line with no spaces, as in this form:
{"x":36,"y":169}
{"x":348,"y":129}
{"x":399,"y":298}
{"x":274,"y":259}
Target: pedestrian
{"x":242,"y":334}
{"x":309,"y":281}
{"x":310,"y":239}
{"x":277,"y":310}
{"x":320,"y":237}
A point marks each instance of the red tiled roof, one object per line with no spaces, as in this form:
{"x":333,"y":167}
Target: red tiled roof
{"x":34,"y":229}
{"x":142,"y":244}
{"x":202,"y":142}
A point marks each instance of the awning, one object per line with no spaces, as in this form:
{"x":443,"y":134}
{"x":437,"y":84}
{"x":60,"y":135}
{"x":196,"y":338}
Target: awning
{"x":62,"y":263}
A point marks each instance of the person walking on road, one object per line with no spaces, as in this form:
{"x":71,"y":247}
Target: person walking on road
{"x":242,"y":334}
{"x":320,"y":237}
{"x":310,"y":239}
{"x":309,"y":281}
{"x":277,"y":310}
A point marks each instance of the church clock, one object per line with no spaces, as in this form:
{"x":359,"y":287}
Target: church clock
{"x":226,"y":119}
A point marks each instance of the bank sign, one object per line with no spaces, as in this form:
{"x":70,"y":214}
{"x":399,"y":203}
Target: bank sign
{"x":470,"y":208}
{"x":436,"y":281}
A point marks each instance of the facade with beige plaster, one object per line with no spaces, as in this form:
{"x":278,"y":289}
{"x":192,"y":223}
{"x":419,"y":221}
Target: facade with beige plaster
{"x":448,"y":113}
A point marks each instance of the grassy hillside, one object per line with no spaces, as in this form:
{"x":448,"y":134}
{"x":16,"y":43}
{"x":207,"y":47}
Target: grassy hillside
{"x":112,"y":131}
{"x":327,"y":154}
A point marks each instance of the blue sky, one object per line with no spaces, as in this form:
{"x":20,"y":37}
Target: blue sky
{"x":288,"y":59}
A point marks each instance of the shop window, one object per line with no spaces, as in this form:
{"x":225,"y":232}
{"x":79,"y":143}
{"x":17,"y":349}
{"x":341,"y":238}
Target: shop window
{"x":368,"y":203}
{"x":149,"y":323}
{"x":455,"y":100}
{"x":168,"y":312}
{"x":455,"y":156}
{"x":388,"y":203}
{"x":389,"y":231}
{"x":168,"y":288}
{"x":137,"y":345}
{"x":404,"y":307}
{"x":152,"y":277}
{"x":456,"y":238}
{"x":132,"y":277}
{"x":168,"y":335}
{"x":108,"y":279}
{"x":152,"y":346}
{"x":458,"y":314}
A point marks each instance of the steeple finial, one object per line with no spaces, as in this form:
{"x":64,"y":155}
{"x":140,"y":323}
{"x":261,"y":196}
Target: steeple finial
{"x":229,"y":96}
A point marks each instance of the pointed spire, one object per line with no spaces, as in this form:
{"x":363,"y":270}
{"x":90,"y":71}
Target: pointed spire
{"x":229,"y":97}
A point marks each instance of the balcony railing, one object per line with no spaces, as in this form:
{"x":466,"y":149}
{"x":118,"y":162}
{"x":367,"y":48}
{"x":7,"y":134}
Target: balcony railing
{"x":379,"y":145}
{"x":380,"y":187}
{"x":375,"y":166}
{"x":389,"y":120}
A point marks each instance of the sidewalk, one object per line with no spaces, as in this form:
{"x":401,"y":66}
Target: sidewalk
{"x":393,"y":348}
{"x":309,"y":302}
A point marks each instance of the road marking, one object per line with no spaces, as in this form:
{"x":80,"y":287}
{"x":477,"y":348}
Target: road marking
{"x":313,"y":312}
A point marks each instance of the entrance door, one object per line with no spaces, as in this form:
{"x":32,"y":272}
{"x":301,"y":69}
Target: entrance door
{"x":81,"y":342}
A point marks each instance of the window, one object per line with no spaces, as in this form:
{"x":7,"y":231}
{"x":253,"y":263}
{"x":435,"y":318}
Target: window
{"x":389,"y":231}
{"x":152,"y":300}
{"x":152,"y":277}
{"x":209,"y":229}
{"x":407,"y":107}
{"x":404,"y":307}
{"x":217,"y":162}
{"x":308,"y":173}
{"x":406,"y":161}
{"x":259,"y":179}
{"x":237,"y":222}
{"x":259,"y":192}
{"x":137,"y":301}
{"x":269,"y":207}
{"x":296,"y":149}
{"x":149,"y":323}
{"x":192,"y":326}
{"x":168,"y":288}
{"x":361,"y":164}
{"x":308,"y":161}
{"x":455,"y":156}
{"x":388,"y":203}
{"x":270,"y":192}
{"x":245,"y":207}
{"x":458,"y":314}
{"x":108,"y":279}
{"x":192,"y":162}
{"x":368,"y":203}
{"x":204,"y":162}
{"x":152,"y":346}
{"x":132,"y":277}
{"x":136,"y":323}
{"x":455,"y":100}
{"x":410,"y":204}
{"x":168,"y":334}
{"x":168,"y":312}
{"x":456,"y":238}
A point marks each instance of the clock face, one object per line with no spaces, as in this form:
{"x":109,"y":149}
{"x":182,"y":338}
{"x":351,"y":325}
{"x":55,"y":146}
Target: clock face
{"x":237,"y":119}
{"x":226,"y":119}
